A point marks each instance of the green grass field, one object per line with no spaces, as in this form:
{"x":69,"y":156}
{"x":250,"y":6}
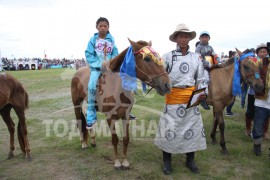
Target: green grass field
{"x":57,"y":154}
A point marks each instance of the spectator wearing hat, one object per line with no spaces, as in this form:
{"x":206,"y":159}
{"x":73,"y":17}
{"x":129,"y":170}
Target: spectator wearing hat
{"x":250,"y":111}
{"x":262,"y":101}
{"x":180,"y":129}
{"x":206,"y":51}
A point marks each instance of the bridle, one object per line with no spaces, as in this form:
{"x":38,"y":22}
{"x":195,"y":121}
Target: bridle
{"x":147,"y":50}
{"x":254,"y":73}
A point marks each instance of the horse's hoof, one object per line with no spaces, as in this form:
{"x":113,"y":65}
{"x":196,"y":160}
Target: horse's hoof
{"x":118,"y":168}
{"x":84,"y":146}
{"x":28,"y":158}
{"x":125,"y":164}
{"x":10,"y":155}
{"x":225,"y":152}
{"x":214,"y":142}
{"x":117,"y":165}
{"x":93,"y":145}
{"x":125,"y":168}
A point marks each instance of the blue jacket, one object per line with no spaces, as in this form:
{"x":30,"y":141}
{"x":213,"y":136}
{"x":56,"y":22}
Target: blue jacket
{"x":93,"y":58}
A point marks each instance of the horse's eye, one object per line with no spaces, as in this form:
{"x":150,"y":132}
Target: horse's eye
{"x":147,"y":58}
{"x":246,"y":67}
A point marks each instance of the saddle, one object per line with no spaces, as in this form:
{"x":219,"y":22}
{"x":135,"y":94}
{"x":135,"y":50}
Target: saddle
{"x":211,"y":59}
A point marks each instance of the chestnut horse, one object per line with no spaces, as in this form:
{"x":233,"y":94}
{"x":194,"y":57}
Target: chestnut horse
{"x":13,"y":95}
{"x":112,"y":99}
{"x":220,"y":89}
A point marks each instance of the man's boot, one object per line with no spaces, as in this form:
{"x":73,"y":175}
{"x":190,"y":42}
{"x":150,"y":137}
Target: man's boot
{"x":205,"y":105}
{"x":257,"y":149}
{"x":167,"y":163}
{"x":190,"y":162}
{"x":248,"y":126}
{"x":265,"y":129}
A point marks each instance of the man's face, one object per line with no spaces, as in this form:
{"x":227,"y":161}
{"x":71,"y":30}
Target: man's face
{"x":262,"y":53}
{"x":204,"y":39}
{"x":182,"y":39}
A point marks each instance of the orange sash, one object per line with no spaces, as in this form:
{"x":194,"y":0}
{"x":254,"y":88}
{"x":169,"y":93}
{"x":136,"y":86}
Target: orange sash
{"x":179,"y":95}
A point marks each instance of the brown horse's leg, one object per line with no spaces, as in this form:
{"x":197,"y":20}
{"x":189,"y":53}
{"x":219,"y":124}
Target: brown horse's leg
{"x":81,"y":121}
{"x":115,"y":141}
{"x":93,"y":138}
{"x":5,"y":113}
{"x":214,"y":128}
{"x":22,"y":128}
{"x":222,"y":137}
{"x":125,"y":162}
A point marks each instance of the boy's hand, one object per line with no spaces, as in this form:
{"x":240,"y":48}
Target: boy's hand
{"x":206,"y":64}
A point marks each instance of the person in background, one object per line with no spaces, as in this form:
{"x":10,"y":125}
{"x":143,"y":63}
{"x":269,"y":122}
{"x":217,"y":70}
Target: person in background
{"x":180,"y":129}
{"x":101,"y":48}
{"x":262,"y":101}
{"x":250,"y":111}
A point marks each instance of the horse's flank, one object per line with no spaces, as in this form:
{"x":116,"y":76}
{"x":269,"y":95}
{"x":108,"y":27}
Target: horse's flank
{"x":220,"y":87}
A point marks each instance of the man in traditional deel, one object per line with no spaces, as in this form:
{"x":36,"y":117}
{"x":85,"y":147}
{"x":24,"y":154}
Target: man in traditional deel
{"x":180,"y":128}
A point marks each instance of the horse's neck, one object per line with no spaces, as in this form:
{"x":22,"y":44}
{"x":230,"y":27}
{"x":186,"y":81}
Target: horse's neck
{"x":229,"y":71}
{"x":115,"y":63}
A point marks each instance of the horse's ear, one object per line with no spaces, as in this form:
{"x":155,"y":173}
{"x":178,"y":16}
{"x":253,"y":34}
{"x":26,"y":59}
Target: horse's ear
{"x":134,"y":45}
{"x":150,"y":43}
{"x":238,"y":52}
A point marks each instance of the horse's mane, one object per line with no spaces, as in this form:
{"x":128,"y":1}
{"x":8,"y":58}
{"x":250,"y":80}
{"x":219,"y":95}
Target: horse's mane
{"x":246,"y":51}
{"x":116,"y":62}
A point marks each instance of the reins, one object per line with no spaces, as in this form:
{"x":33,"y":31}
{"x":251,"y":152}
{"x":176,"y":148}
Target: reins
{"x":150,"y":81}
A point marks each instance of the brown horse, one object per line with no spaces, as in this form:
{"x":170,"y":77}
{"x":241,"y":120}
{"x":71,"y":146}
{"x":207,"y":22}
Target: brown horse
{"x":112,"y":99}
{"x":220,"y":90}
{"x":13,"y":95}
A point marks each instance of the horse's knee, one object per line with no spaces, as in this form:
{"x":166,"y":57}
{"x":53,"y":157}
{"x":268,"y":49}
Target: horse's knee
{"x":125,"y":141}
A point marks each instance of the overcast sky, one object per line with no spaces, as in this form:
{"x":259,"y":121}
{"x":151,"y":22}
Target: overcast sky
{"x":63,"y":27}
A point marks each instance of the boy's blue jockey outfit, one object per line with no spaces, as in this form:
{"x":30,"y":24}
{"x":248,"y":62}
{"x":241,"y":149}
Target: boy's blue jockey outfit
{"x":95,"y":57}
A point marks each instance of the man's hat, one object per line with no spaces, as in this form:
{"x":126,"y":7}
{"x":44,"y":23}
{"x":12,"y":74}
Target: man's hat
{"x":261,"y":46}
{"x":182,"y":28}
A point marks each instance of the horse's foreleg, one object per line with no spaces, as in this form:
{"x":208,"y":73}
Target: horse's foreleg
{"x":11,"y":128}
{"x":222,"y":137}
{"x":125,"y":162}
{"x":115,"y":140}
{"x":214,"y":128}
{"x":93,"y":138}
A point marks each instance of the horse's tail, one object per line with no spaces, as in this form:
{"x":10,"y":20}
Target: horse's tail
{"x":20,"y":137}
{"x":26,"y":103}
{"x":26,"y":97}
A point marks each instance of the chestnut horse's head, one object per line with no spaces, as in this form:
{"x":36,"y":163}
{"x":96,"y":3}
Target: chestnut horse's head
{"x":250,"y":69}
{"x":149,"y":67}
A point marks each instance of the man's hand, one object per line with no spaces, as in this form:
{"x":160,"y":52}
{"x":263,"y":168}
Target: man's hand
{"x":202,"y":97}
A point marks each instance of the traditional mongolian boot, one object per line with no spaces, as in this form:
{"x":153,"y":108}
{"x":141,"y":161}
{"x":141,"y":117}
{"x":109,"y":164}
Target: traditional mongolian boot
{"x":167,"y":163}
{"x":265,"y":129}
{"x":190,"y":162}
{"x":257,"y":149}
{"x":248,"y":126}
{"x":204,"y":105}
{"x":257,"y":146}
